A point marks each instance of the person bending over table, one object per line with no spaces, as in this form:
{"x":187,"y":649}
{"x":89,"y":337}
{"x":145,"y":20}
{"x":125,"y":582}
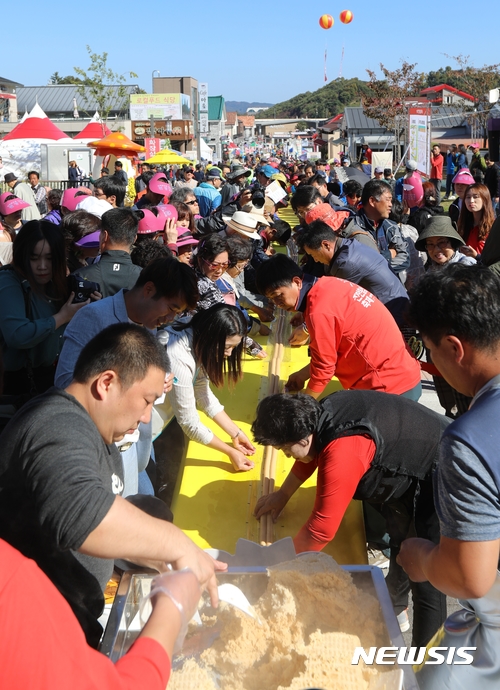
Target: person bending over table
{"x":366,"y":445}
{"x":353,"y":335}
{"x":61,"y":476}
{"x":207,"y":350}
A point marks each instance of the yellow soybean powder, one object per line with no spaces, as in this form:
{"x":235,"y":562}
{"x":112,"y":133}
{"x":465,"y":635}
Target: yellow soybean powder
{"x":312,"y":617}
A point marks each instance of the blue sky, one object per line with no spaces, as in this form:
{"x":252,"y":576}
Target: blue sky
{"x":249,"y":51}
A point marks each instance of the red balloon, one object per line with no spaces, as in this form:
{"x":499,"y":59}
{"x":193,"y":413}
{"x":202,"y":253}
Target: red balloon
{"x":326,"y":21}
{"x":346,"y":16}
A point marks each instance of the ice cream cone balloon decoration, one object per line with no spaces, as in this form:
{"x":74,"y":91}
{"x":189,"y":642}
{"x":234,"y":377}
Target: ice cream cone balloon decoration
{"x":326,"y":21}
{"x":346,"y":16}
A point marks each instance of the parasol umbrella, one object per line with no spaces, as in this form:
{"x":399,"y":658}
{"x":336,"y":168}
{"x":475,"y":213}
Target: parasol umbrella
{"x":168,"y":157}
{"x":352,"y":174}
{"x":116,"y":144}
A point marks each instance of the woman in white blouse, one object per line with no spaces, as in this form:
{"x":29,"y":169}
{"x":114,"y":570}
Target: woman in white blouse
{"x":207,"y":350}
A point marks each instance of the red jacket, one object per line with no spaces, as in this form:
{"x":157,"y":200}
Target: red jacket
{"x":337,"y":482}
{"x":43,"y":647}
{"x":437,"y":167}
{"x":354,"y":337}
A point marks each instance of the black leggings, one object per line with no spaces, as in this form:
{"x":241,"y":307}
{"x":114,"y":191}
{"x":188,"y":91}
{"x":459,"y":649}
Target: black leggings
{"x":413,"y":514}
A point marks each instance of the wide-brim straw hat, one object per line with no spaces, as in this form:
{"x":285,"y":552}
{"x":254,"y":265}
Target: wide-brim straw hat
{"x":244,"y":224}
{"x":257,"y":213}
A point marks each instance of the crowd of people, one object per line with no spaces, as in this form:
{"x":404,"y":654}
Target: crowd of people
{"x":115,"y":321}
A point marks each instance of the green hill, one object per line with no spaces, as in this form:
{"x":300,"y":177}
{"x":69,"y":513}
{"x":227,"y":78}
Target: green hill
{"x":327,"y":101}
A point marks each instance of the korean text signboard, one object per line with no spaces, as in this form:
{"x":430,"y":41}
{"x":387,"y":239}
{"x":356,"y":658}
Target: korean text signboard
{"x":420,"y":138}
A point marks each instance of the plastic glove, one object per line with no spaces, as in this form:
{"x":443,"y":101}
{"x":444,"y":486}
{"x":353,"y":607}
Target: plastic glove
{"x":183,"y":589}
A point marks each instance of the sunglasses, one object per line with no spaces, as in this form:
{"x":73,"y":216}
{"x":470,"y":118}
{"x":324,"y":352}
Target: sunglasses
{"x":215,"y":266}
{"x":191,"y":203}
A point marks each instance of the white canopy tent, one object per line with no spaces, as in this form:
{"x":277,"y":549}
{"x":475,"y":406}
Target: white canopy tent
{"x":20,"y":154}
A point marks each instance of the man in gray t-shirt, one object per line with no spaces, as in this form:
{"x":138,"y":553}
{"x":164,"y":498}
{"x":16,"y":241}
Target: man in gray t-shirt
{"x":61,"y":476}
{"x":457,"y":311}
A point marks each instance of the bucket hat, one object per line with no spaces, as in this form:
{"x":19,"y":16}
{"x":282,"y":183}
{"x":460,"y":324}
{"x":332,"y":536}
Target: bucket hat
{"x":439,"y":226}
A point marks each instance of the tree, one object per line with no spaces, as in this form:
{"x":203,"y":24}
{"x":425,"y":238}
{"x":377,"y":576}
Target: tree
{"x":477,"y":82}
{"x":445,"y":75}
{"x":387,"y":100}
{"x":101,"y":86}
{"x":326,"y":102}
{"x":301,"y":126}
{"x":70,"y":79}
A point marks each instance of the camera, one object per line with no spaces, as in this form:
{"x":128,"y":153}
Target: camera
{"x":82,"y":288}
{"x":258,"y":198}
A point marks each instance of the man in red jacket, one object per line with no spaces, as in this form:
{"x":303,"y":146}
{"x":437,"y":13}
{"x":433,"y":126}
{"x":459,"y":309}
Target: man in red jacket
{"x":352,"y":334}
{"x":437,"y":161}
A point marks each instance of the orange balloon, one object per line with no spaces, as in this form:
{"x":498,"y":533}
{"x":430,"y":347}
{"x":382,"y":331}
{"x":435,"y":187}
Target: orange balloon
{"x":346,"y":16}
{"x":326,"y":21}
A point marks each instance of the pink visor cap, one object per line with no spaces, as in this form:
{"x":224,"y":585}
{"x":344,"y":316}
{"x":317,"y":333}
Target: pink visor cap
{"x":150,"y":224}
{"x":70,"y":200}
{"x":158,"y":184}
{"x":168,"y":211}
{"x":11,"y":206}
{"x":463,"y":177}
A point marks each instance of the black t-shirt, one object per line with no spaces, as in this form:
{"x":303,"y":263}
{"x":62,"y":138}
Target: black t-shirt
{"x":58,"y":480}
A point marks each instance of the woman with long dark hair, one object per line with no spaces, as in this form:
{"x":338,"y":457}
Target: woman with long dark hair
{"x":35,"y":305}
{"x":475,"y":219}
{"x":207,"y":350}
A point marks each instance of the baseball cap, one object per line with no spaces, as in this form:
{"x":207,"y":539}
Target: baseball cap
{"x":214,"y":173}
{"x":379,"y":170}
{"x":411,"y":165}
{"x":324,"y":212}
{"x":93,"y":205}
{"x":268,"y":170}
{"x":158,"y":184}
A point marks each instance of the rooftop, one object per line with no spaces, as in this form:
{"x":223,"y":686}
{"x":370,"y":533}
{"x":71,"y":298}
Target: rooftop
{"x":58,"y":98}
{"x":247,"y":120}
{"x":216,"y":106}
{"x":442,"y":87}
{"x":443,"y":117}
